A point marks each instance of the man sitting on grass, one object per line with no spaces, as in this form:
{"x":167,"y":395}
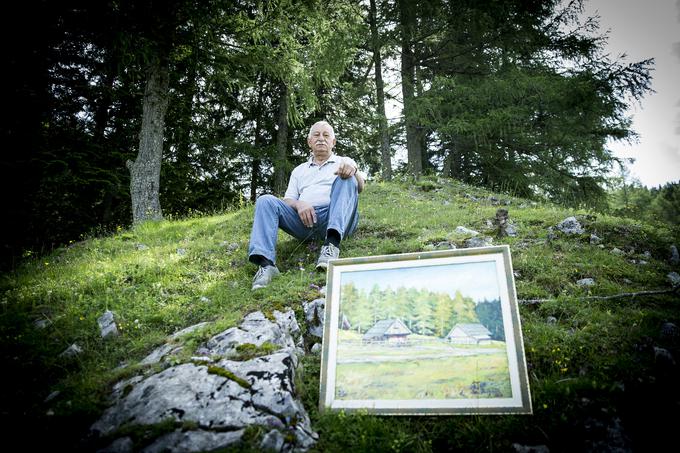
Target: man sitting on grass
{"x":320,"y":203}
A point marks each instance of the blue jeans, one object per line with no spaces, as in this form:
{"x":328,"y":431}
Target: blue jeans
{"x":272,"y":213}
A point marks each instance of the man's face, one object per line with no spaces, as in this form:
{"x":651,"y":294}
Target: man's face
{"x":321,"y":141}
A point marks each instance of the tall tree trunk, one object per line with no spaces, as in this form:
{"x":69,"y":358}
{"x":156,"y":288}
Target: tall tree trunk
{"x":385,"y":154}
{"x":421,"y":136}
{"x":259,"y":142}
{"x":101,"y":120}
{"x":145,"y":171}
{"x":281,"y":161}
{"x":407,"y":20}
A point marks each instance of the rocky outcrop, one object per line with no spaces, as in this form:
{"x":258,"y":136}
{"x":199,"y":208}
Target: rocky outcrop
{"x":209,"y":401}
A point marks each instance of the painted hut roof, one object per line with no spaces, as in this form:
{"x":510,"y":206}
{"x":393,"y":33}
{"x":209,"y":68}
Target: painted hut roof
{"x":475,"y":330}
{"x":387,"y":327}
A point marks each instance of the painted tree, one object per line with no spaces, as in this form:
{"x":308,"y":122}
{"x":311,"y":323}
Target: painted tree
{"x":490,"y":315}
{"x":463,"y":309}
{"x":442,"y":314}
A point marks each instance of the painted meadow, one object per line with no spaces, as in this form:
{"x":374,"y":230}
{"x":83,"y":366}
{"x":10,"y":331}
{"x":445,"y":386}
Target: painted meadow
{"x":398,"y":343}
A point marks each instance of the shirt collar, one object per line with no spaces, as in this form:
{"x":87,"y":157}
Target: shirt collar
{"x":332,"y":158}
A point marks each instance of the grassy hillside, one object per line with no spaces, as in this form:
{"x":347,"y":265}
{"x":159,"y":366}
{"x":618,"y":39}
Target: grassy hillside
{"x":595,"y":378}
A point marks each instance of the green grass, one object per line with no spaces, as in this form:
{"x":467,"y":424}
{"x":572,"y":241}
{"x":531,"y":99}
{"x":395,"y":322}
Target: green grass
{"x":423,"y":378}
{"x":592,"y":363}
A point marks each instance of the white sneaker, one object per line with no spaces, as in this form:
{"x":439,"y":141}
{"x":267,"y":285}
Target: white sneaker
{"x":328,"y":252}
{"x":264,"y":276}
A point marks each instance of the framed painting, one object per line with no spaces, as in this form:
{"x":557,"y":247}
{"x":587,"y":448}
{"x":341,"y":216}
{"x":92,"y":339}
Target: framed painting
{"x":424,"y":333}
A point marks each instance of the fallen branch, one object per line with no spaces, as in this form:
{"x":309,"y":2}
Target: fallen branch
{"x":613,"y":296}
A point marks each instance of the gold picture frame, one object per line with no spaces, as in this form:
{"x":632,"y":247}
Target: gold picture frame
{"x":424,"y":334}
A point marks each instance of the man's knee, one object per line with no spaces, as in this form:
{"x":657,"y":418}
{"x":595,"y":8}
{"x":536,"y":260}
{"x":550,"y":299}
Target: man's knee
{"x":345,"y":183}
{"x":265,"y":201}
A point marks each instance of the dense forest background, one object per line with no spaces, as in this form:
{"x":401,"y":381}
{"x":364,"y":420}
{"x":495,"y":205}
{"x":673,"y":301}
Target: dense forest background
{"x":115,"y":112}
{"x":423,"y":312}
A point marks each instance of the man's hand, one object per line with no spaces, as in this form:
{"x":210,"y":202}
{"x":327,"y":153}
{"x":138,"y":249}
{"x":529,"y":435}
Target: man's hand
{"x":345,"y":170}
{"x":306,"y":213}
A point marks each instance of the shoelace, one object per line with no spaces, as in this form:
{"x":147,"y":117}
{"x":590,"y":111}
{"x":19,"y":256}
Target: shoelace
{"x":259,"y":273}
{"x":327,"y":250}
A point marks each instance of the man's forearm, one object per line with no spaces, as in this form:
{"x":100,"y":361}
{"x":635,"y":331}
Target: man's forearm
{"x":291,"y":202}
{"x":360,"y":181}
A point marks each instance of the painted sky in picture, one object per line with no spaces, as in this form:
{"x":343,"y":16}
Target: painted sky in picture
{"x":475,"y":280}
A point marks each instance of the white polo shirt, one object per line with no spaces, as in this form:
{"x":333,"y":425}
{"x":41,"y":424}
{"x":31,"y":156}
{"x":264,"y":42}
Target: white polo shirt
{"x":312,"y":183}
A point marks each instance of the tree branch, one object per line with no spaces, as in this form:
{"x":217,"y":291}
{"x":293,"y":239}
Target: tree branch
{"x":613,"y":296}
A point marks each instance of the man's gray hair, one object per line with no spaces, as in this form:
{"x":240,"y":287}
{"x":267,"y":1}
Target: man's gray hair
{"x":321,"y":122}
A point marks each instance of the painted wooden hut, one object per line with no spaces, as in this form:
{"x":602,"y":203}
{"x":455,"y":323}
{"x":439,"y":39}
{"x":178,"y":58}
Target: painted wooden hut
{"x":469,"y":333}
{"x":388,"y":330}
{"x":344,"y":323}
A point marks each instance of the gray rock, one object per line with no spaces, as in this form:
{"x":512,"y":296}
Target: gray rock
{"x":463,"y":230}
{"x":121,"y":445}
{"x":501,"y":222}
{"x":618,"y":251}
{"x":675,"y":257}
{"x":181,"y":251}
{"x":159,"y":353}
{"x":272,"y":441}
{"x":551,"y":234}
{"x":185,"y":392}
{"x":71,"y":351}
{"x":52,"y":396}
{"x":316,"y":348}
{"x":478,"y":242}
{"x":674,"y":279}
{"x":205,"y":299}
{"x":663,"y":358}
{"x":570,"y":226}
{"x":551,"y":320}
{"x":314,"y":315}
{"x":141,"y":247}
{"x":201,"y":359}
{"x":444,"y":245}
{"x":107,"y":324}
{"x":194,"y":441}
{"x":612,"y":439}
{"x":41,"y":323}
{"x":188,"y":330}
{"x":595,"y":239}
{"x":121,"y":388}
{"x":586,"y":282}
{"x":530,"y":448}
{"x":255,"y":329}
{"x":670,"y":332}
{"x":511,"y":230}
{"x":287,"y":321}
{"x":221,"y":398}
